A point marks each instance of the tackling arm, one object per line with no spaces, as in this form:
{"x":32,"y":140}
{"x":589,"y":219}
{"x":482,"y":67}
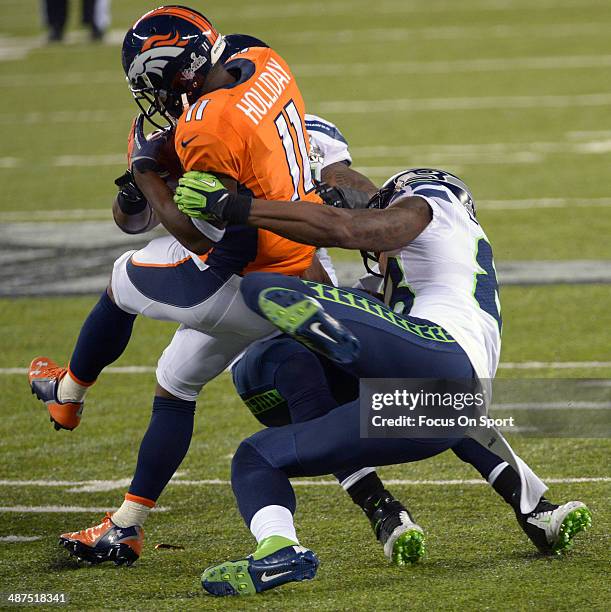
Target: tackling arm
{"x":340,"y":174}
{"x":367,"y":230}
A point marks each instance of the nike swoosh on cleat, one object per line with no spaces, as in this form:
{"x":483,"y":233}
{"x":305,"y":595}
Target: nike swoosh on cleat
{"x":184,"y":143}
{"x":266,"y":578}
{"x":315,"y":327}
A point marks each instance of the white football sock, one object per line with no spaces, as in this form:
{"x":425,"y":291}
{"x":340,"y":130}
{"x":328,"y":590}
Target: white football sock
{"x":69,"y":390}
{"x":273,"y":521}
{"x":496,"y":472}
{"x":355,"y":477}
{"x":130,"y":513}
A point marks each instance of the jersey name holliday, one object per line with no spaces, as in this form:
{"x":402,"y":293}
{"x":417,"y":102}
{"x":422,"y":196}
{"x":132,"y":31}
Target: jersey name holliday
{"x":268,"y":87}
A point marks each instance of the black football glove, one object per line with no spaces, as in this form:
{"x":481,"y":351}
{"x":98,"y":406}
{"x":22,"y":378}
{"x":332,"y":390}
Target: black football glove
{"x":146,"y":152}
{"x":342,"y":197}
{"x":130,"y":199}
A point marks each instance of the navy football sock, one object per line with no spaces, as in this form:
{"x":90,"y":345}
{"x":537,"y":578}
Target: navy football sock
{"x":163,"y":447}
{"x":103,"y":338}
{"x":302,"y":382}
{"x":257,"y":483}
{"x":508,"y":485}
{"x":368,"y":486}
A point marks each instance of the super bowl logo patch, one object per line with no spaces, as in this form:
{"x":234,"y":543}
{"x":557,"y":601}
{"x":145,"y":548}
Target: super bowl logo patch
{"x":197,"y":61}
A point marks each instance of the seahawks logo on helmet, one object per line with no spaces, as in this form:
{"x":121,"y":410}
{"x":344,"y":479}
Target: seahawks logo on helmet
{"x":423,"y":175}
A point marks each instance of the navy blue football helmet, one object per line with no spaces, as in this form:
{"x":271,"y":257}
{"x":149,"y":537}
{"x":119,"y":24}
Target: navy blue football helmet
{"x":167,"y":55}
{"x":412,"y":178}
{"x":423,"y":175}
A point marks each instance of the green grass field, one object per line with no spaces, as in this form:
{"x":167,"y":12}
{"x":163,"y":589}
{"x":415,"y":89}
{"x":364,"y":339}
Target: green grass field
{"x":513,"y":96}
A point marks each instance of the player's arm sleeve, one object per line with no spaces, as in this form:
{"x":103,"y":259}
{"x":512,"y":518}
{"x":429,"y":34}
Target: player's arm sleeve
{"x":327,"y":138}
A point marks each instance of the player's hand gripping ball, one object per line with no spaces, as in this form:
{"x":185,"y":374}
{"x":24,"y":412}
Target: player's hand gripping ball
{"x":154,"y":152}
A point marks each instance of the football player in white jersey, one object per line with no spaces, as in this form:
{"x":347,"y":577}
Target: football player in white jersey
{"x":441,"y":320}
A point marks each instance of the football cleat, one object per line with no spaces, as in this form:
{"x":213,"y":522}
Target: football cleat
{"x":248,"y":576}
{"x":551,"y":528}
{"x":44,"y":376}
{"x":395,"y":529}
{"x":105,"y":542}
{"x":303,"y":318}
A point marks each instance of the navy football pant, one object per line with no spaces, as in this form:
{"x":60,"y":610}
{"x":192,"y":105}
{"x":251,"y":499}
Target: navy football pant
{"x":391,"y":347}
{"x":282,"y":382}
{"x":306,"y":385}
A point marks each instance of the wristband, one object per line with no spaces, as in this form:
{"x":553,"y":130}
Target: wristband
{"x":237,"y":209}
{"x":129,"y":206}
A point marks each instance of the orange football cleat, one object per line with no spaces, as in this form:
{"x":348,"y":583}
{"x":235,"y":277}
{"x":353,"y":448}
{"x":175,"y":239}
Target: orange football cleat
{"x":105,"y":542}
{"x":44,"y":376}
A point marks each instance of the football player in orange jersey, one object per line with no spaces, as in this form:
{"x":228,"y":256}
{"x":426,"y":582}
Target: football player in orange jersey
{"x":243,"y":120}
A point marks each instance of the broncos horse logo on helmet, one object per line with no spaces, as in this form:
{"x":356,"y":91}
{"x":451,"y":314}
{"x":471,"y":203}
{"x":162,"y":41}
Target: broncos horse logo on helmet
{"x":412,"y":178}
{"x":166,"y":55}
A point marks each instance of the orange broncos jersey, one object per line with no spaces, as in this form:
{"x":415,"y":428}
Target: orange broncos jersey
{"x":253,"y":131}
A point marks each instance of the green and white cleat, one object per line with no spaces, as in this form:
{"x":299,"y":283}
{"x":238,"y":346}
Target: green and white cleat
{"x":275,"y":562}
{"x":405,"y":547}
{"x":395,"y":529}
{"x":303,"y":317}
{"x":552,"y":528}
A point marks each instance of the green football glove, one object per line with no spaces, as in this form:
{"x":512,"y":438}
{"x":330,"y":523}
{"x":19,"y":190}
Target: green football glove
{"x":201,"y":195}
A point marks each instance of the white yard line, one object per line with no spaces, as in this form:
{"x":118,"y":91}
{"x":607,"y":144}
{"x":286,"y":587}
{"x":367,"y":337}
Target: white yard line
{"x":585,"y":134}
{"x":387,"y":36}
{"x":569,"y":405}
{"x":373,"y":69}
{"x":334,"y":70}
{"x":71,"y":116}
{"x":88,"y":486}
{"x":69,"y":161}
{"x":63,"y":509}
{"x":562,"y":365}
{"x":76,"y":214}
{"x":509,"y":365}
{"x":544,"y":203}
{"x":448,"y":154}
{"x":600,"y":145}
{"x":104,"y":214}
{"x":394,"y":7}
{"x":16,"y":538}
{"x":350,"y":106}
{"x":110,"y":370}
{"x":462,"y":103}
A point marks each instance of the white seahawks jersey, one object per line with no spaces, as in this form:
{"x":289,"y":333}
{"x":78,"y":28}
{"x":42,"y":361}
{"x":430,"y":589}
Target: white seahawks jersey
{"x":447,"y":275}
{"x":327,"y":146}
{"x":327,"y":140}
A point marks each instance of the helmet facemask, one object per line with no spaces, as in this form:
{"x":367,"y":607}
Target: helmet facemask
{"x":380,"y":199}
